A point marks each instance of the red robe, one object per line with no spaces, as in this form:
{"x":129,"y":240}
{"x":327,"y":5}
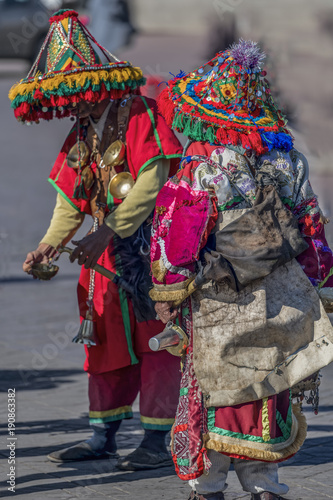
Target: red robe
{"x":121,"y":337}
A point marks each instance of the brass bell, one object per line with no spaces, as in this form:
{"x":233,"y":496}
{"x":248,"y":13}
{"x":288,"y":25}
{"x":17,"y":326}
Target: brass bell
{"x":87,"y":177}
{"x":73,"y":155}
{"x":44,"y":272}
{"x":87,"y":332}
{"x":115,"y":154}
{"x":120,"y":185}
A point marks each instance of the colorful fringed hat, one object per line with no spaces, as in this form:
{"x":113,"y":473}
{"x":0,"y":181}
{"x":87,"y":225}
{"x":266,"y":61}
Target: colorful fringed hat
{"x":74,"y":72}
{"x":227,"y":101}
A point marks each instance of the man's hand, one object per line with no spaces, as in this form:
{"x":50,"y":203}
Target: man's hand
{"x":42,"y":254}
{"x":90,"y":248}
{"x":165,"y":312}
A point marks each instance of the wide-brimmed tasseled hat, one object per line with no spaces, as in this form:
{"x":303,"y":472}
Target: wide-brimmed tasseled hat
{"x":227,"y":101}
{"x":74,"y":72}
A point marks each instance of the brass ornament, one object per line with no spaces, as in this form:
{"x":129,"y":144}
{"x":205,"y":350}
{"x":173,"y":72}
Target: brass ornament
{"x":120,"y":185}
{"x":44,"y":272}
{"x":87,"y":177}
{"x":115,"y":154}
{"x":73,"y":155}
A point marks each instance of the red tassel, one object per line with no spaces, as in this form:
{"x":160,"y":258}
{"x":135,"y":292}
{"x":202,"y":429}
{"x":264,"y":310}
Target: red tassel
{"x":233,"y":137}
{"x":63,"y":101}
{"x":245,"y":141}
{"x":38,"y":94}
{"x":89,"y":96}
{"x":221,"y":136}
{"x":25,"y":107}
{"x":166,"y":106}
{"x":67,"y":13}
{"x":53,"y":100}
{"x":256,"y":143}
{"x":103,"y":93}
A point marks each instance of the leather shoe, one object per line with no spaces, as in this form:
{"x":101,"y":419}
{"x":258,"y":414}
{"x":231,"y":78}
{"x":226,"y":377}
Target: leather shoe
{"x":79,"y":452}
{"x":143,"y":459}
{"x":209,"y":496}
{"x":266,"y":495}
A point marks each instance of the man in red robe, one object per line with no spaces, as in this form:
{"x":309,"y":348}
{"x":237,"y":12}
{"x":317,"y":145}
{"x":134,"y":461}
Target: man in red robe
{"x":144,"y":151}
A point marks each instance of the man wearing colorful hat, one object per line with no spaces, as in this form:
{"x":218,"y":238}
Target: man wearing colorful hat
{"x":252,"y":313}
{"x":115,"y":159}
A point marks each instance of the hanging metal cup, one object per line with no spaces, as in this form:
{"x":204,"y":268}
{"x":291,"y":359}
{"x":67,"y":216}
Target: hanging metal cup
{"x":115,"y":154}
{"x":87,"y":177}
{"x":73,"y":155}
{"x":173,"y":339}
{"x":121,"y":183}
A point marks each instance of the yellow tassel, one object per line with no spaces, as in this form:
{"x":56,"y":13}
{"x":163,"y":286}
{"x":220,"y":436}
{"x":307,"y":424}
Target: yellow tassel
{"x":159,"y":270}
{"x":78,"y":78}
{"x":265,"y":420}
{"x":163,"y":293}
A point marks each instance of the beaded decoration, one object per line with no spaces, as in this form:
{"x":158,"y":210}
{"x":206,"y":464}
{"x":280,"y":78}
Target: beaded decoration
{"x":227,"y":101}
{"x":74,"y":72}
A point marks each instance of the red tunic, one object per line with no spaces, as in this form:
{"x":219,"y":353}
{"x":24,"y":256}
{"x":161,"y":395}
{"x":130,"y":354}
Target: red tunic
{"x":148,"y":138}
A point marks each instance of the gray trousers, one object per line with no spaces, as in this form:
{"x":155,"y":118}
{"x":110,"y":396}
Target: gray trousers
{"x":254,"y":476}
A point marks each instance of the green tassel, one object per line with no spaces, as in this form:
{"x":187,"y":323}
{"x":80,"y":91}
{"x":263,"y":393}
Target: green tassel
{"x":193,"y":128}
{"x":210,"y":135}
{"x":178,"y":121}
{"x":198,"y":132}
{"x":79,"y":191}
{"x":188,"y":126}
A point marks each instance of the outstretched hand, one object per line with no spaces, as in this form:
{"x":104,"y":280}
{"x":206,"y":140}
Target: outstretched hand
{"x":165,"y":312}
{"x":90,"y":248}
{"x":41,"y":255}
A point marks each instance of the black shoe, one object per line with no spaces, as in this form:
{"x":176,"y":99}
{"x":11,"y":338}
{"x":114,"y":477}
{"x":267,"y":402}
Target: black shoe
{"x":265,"y":495}
{"x":142,"y":459}
{"x":209,"y":496}
{"x":79,"y":452}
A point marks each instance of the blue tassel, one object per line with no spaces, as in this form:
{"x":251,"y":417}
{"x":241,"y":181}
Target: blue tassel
{"x":277,"y":141}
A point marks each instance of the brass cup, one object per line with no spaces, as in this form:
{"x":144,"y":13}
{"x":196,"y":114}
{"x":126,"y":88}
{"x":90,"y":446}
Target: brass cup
{"x":44,"y":272}
{"x":73,"y":155}
{"x":88,"y":177}
{"x":120,"y":185}
{"x":115,"y":154}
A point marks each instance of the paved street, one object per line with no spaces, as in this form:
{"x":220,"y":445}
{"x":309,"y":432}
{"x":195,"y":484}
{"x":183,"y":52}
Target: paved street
{"x":38,"y":320}
{"x":39,"y":361}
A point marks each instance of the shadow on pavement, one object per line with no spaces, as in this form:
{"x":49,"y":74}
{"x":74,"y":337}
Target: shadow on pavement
{"x":97,"y":468}
{"x":49,"y":426}
{"x":315,"y":451}
{"x":29,"y":279}
{"x":28,"y":380}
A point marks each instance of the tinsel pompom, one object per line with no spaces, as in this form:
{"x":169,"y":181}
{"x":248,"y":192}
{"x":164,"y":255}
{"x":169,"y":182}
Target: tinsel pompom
{"x":247,"y":54}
